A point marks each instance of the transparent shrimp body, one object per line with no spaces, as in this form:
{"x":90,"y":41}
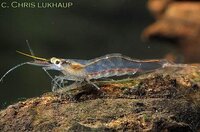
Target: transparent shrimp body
{"x":86,"y":71}
{"x":103,"y":67}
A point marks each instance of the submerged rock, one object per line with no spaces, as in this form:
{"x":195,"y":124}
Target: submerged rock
{"x":164,"y":100}
{"x":177,"y":22}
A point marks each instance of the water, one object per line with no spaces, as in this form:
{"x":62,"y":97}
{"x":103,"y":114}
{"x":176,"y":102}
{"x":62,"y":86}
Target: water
{"x":87,"y":30}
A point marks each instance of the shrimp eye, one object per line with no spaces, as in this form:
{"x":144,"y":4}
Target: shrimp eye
{"x":57,"y":62}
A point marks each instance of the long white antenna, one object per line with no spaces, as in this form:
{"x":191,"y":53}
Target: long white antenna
{"x":12,"y":70}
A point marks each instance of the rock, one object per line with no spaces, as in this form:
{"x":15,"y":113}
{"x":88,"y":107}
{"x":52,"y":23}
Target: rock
{"x":167,"y":99}
{"x":179,"y":23}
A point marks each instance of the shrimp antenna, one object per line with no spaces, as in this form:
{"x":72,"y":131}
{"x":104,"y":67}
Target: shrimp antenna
{"x":13,"y":68}
{"x":29,"y":47}
{"x":32,"y":56}
{"x":32,"y":53}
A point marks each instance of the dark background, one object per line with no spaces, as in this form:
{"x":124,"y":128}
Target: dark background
{"x":88,"y":29}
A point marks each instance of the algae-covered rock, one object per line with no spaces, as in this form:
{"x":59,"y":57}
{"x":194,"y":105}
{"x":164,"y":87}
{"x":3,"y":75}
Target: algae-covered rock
{"x":164,"y":100}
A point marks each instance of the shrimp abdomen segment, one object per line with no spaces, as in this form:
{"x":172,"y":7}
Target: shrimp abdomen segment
{"x":112,"y":72}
